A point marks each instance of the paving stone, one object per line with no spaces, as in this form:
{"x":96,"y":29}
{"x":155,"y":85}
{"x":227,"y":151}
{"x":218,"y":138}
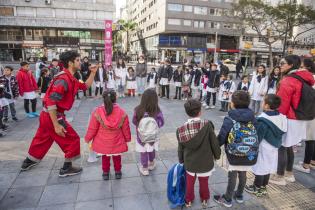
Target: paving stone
{"x":10,"y":166}
{"x":3,"y":191}
{"x":21,"y":198}
{"x":159,"y":169}
{"x":59,"y":194}
{"x":130,"y":170}
{"x":155,"y":183}
{"x":95,"y":190}
{"x":7,"y":179}
{"x":127,"y":186}
{"x":218,"y":176}
{"x":159,"y":201}
{"x":54,"y":179}
{"x":31,"y":179}
{"x":68,"y":206}
{"x":92,"y":173}
{"x":99,"y":204}
{"x":135,"y":202}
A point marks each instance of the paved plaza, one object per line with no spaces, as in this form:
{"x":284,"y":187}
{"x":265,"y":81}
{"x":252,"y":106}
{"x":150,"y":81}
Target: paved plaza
{"x":41,"y":188}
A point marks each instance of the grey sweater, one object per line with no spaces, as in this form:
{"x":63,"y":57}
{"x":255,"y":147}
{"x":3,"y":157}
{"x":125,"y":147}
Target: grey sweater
{"x":141,"y":70}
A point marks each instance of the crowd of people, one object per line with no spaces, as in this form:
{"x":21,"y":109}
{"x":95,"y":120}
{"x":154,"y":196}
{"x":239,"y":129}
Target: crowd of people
{"x":258,"y":134}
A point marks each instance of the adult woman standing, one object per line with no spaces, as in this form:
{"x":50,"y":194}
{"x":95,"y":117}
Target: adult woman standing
{"x":141,"y":74}
{"x":121,"y":75}
{"x":290,"y":92}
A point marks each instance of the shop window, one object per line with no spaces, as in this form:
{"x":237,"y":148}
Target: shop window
{"x":6,"y":11}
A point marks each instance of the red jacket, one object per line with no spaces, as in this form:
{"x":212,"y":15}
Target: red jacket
{"x":110,"y":134}
{"x":26,"y":81}
{"x":290,"y":92}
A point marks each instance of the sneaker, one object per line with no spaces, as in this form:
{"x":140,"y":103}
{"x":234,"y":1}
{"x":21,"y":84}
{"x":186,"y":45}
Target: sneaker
{"x":27,"y":164}
{"x":259,"y":192}
{"x":2,"y":135}
{"x":221,"y":200}
{"x":212,"y":107}
{"x":289,"y":177}
{"x":300,"y":167}
{"x":278,"y":180}
{"x":188,"y":205}
{"x":5,"y":120}
{"x":36,"y":114}
{"x":118,"y":175}
{"x":71,"y":171}
{"x":151,"y":166}
{"x":30,"y":115}
{"x":264,"y":190}
{"x":15,"y":119}
{"x":204,"y":204}
{"x":204,"y":104}
{"x":105,"y":176}
{"x":207,"y":107}
{"x":144,"y":171}
{"x":251,"y":189}
{"x":4,"y":127}
{"x":238,"y":199}
{"x":312,"y":165}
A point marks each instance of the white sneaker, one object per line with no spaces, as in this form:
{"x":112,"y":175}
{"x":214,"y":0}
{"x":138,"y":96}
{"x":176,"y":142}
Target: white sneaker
{"x":204,"y":104}
{"x":212,"y":107}
{"x":289,"y":177}
{"x":207,"y":107}
{"x":300,"y":167}
{"x":151,"y":166}
{"x":311,"y":165}
{"x":144,"y":171}
{"x":278,"y":180}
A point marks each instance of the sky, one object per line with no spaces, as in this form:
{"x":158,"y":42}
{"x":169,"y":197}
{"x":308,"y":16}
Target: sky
{"x":119,"y":4}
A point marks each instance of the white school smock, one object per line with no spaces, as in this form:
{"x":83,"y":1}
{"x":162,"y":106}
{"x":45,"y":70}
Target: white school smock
{"x":296,"y":133}
{"x":257,"y":88}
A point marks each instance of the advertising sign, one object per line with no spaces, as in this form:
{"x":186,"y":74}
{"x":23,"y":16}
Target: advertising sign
{"x":108,"y":43}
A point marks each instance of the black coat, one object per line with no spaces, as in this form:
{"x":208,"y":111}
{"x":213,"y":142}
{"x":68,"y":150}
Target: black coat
{"x":224,"y":70}
{"x":85,"y":71}
{"x":197,"y":75}
{"x":97,"y":76}
{"x":151,"y":76}
{"x":178,"y":76}
{"x":167,"y":72}
{"x":213,"y":78}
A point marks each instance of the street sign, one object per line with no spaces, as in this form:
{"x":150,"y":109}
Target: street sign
{"x":313,"y":51}
{"x":248,"y":45}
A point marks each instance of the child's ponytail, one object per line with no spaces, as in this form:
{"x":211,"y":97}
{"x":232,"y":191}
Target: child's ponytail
{"x":109,"y":97}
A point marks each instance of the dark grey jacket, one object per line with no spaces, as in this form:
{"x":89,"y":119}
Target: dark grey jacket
{"x":141,"y":70}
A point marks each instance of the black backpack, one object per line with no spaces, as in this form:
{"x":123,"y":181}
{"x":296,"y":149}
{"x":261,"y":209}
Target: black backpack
{"x":306,"y":107}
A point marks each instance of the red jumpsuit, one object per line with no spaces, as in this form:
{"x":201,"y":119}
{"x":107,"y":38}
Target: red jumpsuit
{"x":59,"y":96}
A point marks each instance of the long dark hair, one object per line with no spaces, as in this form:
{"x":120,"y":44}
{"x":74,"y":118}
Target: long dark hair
{"x":309,"y":65}
{"x":272,"y":74}
{"x":149,"y":104}
{"x":264,"y":72}
{"x":122,"y":64}
{"x":109,"y":97}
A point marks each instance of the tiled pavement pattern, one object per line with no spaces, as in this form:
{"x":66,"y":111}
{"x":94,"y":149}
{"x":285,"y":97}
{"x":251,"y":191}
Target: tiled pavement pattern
{"x":41,"y":188}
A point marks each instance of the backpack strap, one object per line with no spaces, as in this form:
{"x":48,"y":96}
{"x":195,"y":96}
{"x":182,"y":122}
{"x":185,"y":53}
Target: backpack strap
{"x":297,"y":77}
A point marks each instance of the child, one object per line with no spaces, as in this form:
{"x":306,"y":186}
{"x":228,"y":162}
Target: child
{"x":258,"y":88}
{"x":273,"y":80}
{"x":121,"y":74}
{"x":11,"y":86}
{"x":27,"y":87}
{"x":152,"y":79}
{"x":43,"y":82}
{"x":186,"y":84}
{"x":148,"y":107}
{"x":244,"y":84}
{"x":227,"y":88}
{"x":212,"y":85}
{"x":54,"y":69}
{"x":241,"y":155}
{"x":111,"y":83}
{"x":198,"y":147}
{"x":195,"y":81}
{"x":178,"y":78}
{"x":271,"y":125}
{"x":131,"y":82}
{"x":109,"y":132}
{"x":4,"y":96}
{"x":203,"y":91}
{"x":99,"y":79}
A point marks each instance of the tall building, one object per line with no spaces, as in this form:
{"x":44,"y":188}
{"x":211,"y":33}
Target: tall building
{"x":184,"y":29}
{"x":30,"y":29}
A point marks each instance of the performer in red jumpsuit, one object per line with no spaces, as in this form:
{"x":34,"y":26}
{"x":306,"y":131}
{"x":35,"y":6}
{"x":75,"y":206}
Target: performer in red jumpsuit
{"x":53,"y":125}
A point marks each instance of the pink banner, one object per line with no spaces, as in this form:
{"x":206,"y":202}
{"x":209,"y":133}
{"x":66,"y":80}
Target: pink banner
{"x":108,"y":43}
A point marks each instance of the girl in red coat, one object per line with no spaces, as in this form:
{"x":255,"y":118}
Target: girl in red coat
{"x":109,"y":129}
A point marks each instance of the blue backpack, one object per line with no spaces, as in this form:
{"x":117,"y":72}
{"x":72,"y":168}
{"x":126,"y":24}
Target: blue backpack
{"x":176,"y":185}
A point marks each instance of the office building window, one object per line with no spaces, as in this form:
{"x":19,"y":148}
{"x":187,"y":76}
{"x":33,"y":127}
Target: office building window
{"x":247,"y":38}
{"x":188,"y":8}
{"x":25,"y":11}
{"x":6,"y":11}
{"x":44,"y":12}
{"x":227,"y":25}
{"x":175,"y":7}
{"x":214,"y":25}
{"x":187,"y":22}
{"x":199,"y":24}
{"x":174,"y":21}
{"x":200,"y":10}
{"x":64,"y":13}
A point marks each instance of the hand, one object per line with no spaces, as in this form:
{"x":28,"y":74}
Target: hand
{"x":93,"y":68}
{"x":60,"y":130}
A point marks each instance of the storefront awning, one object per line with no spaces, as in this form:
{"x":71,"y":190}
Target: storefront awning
{"x":224,"y":50}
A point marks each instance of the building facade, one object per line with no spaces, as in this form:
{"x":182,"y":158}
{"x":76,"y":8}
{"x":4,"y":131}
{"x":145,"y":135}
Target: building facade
{"x":30,"y":29}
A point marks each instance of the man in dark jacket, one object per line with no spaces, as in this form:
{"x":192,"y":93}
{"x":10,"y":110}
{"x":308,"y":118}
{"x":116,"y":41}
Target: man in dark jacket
{"x":239,"y":68}
{"x":198,"y":147}
{"x":85,"y":71}
{"x":165,"y":78}
{"x":224,"y":70}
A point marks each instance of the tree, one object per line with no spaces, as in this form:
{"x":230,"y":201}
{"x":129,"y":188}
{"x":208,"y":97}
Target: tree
{"x":127,"y":26}
{"x":273,"y":22}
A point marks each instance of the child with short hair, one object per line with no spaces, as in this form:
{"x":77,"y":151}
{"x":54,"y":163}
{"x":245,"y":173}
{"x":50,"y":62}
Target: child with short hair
{"x":244,"y":84}
{"x":152,"y":78}
{"x":178,"y":78}
{"x":239,"y":135}
{"x":186,"y":84}
{"x":11,"y":86}
{"x":109,"y":132}
{"x":271,"y":125}
{"x":111,"y":76}
{"x":43,"y":82}
{"x":198,"y":148}
{"x":131,"y":82}
{"x":227,"y":88}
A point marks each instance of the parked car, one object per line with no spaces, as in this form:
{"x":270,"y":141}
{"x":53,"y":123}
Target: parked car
{"x":230,"y":64}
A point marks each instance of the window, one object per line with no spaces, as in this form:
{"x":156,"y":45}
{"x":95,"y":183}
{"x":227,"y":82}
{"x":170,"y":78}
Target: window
{"x":44,"y":12}
{"x":101,"y":15}
{"x":200,"y":10}
{"x":85,"y":14}
{"x":25,"y":11}
{"x":187,"y":22}
{"x":6,"y":11}
{"x":188,"y":8}
{"x":227,"y":25}
{"x":247,"y":38}
{"x":174,"y":21}
{"x":175,"y":7}
{"x":260,"y":39}
{"x":214,"y":25}
{"x":199,"y":24}
{"x":64,"y":13}
{"x":212,"y":11}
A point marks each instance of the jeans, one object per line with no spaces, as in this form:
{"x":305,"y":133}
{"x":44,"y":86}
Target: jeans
{"x":255,"y":105}
{"x":27,"y":103}
{"x":224,"y":106}
{"x":6,"y":110}
{"x":309,"y":152}
{"x":232,"y":183}
{"x":178,"y":93}
{"x":285,"y":160}
{"x":90,"y":92}
{"x":106,"y":163}
{"x":167,"y":88}
{"x":195,"y":93}
{"x":203,"y":188}
{"x":141,"y":84}
{"x":96,"y":90}
{"x":208,"y":98}
{"x":261,"y":180}
{"x":145,"y":157}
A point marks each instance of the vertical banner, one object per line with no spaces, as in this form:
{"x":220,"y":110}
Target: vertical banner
{"x":108,"y":43}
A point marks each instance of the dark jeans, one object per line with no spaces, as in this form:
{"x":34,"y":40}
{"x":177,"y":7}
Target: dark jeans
{"x":261,"y":180}
{"x":214,"y":98}
{"x":309,"y":152}
{"x":238,"y":74}
{"x":232,"y":183}
{"x":167,"y":88}
{"x":27,"y":103}
{"x":285,"y":160}
{"x":1,"y":117}
{"x":90,"y":92}
{"x":178,"y":93}
{"x":6,"y":110}
{"x":96,"y":90}
{"x":224,"y":106}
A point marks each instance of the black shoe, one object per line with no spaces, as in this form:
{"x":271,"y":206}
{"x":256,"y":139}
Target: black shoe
{"x":4,"y":127}
{"x":118,"y":175}
{"x":27,"y":164}
{"x":105,"y":176}
{"x":70,"y":171}
{"x":5,"y":120}
{"x":15,"y":119}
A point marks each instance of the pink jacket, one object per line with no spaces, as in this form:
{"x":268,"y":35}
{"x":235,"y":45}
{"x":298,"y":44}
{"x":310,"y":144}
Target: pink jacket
{"x":110,"y":134}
